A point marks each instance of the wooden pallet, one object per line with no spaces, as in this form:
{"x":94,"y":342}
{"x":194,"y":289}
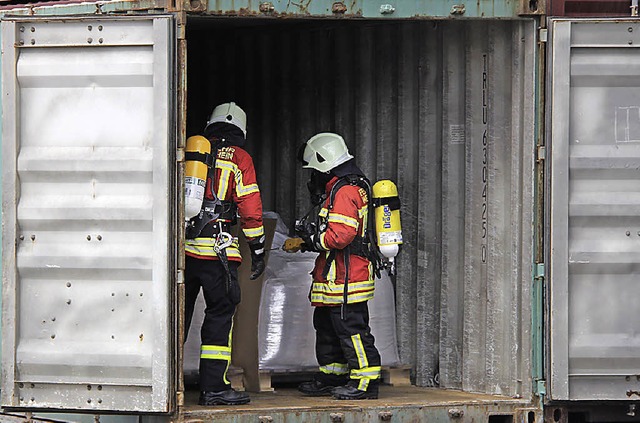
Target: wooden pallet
{"x":235,"y":376}
{"x":391,"y":375}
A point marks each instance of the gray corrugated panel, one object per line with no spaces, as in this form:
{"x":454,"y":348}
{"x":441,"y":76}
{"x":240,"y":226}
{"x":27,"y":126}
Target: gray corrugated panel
{"x":408,"y":97}
{"x":596,"y":198}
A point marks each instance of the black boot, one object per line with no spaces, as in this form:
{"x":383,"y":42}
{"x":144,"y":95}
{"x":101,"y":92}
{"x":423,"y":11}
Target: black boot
{"x":227,"y":397}
{"x":350,"y":391}
{"x":315,"y":388}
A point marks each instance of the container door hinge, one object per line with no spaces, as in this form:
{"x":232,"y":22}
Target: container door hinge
{"x":542,"y":153}
{"x":541,"y":387}
{"x":542,"y":35}
{"x":539,"y":271}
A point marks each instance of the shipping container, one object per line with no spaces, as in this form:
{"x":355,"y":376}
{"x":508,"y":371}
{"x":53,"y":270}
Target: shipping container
{"x":444,"y":98}
{"x":96,"y":109}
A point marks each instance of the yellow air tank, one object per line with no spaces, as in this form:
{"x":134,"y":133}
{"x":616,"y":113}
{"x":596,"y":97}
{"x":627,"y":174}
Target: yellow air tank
{"x":387,"y":217}
{"x":197,"y":162}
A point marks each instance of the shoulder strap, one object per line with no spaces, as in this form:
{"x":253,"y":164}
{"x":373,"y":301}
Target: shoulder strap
{"x":358,"y":180}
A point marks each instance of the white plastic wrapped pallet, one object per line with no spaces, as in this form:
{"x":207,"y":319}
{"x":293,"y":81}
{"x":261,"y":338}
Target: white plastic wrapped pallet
{"x":286,"y":338}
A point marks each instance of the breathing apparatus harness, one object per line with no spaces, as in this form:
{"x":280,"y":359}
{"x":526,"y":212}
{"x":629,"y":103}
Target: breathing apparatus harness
{"x":216,"y":216}
{"x":363,"y":246}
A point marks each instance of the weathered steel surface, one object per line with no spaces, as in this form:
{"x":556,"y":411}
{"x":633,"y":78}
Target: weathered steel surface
{"x":446,"y":110}
{"x":395,"y":404}
{"x":377,"y":9}
{"x":87,"y":205}
{"x":595,"y":200}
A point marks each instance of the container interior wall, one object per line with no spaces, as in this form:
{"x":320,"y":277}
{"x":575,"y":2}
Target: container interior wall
{"x":446,"y":110}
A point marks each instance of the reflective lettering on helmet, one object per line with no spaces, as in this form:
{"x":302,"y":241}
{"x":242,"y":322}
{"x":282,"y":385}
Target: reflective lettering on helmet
{"x":386,"y":217}
{"x":226,"y":153}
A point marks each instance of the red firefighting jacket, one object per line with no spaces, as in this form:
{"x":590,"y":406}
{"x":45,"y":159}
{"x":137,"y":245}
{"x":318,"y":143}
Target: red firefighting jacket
{"x":235,"y":181}
{"x":346,"y":220}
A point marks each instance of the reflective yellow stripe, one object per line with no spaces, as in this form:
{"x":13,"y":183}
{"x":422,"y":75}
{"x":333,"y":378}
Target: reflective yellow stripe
{"x":372,"y":372}
{"x":364,"y":215}
{"x":223,"y":183}
{"x":323,"y":212}
{"x":335,"y":369}
{"x":215,"y":352}
{"x":204,"y":247}
{"x":322,"y":242}
{"x":254,"y":232}
{"x":241,"y":189}
{"x":331,"y":293}
{"x":345,"y":220}
{"x":224,"y":376}
{"x":331,"y":275}
{"x":335,"y":289}
{"x":357,"y":345}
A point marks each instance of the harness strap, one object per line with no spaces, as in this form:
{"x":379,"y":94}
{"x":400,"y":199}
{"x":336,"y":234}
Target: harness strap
{"x":345,"y":292}
{"x":205,"y":158}
{"x":363,"y":246}
{"x":392,"y":202}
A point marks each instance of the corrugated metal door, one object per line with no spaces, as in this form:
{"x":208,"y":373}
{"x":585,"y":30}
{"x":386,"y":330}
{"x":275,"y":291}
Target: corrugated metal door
{"x":595,"y":209}
{"x":87,"y":210}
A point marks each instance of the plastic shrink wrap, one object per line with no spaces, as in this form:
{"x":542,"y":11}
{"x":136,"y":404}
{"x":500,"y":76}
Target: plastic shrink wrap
{"x":286,"y":338}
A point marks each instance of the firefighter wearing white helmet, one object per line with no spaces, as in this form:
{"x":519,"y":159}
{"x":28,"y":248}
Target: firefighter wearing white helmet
{"x":325,"y":151}
{"x":343,"y":276}
{"x":213,"y":254}
{"x":229,"y":113}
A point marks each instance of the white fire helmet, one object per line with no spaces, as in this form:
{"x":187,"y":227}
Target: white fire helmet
{"x":325,"y":151}
{"x":229,"y":113}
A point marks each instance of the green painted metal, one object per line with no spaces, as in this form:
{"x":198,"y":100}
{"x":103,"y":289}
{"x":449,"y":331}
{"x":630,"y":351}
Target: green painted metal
{"x":390,"y":9}
{"x":85,"y":8}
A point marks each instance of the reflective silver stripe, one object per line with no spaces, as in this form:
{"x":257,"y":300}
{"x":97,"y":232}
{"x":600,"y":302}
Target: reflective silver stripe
{"x":223,"y":183}
{"x":254,"y":232}
{"x":331,"y":275}
{"x":357,"y":345}
{"x":215,"y":352}
{"x":363,"y":384}
{"x":335,"y":369}
{"x":321,"y":297}
{"x":345,"y":220}
{"x":363,"y":212}
{"x":372,"y":372}
{"x":241,"y":189}
{"x":208,"y":251}
{"x":351,"y":299}
{"x":339,"y":288}
{"x":322,"y":243}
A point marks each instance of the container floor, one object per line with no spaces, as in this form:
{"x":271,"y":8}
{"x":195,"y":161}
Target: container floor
{"x":288,"y":404}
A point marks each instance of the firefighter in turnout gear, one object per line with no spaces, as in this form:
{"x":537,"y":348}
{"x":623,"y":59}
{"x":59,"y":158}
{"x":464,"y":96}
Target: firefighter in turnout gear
{"x":213,"y":255}
{"x":343,"y":276}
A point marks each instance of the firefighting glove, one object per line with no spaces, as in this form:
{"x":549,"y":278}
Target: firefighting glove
{"x":306,"y":230}
{"x":312,"y":243}
{"x":257,"y":257}
{"x":293,"y":245}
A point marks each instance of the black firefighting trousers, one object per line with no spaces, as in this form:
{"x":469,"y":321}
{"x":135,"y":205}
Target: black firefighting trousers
{"x":345,"y":347}
{"x":215,"y":351}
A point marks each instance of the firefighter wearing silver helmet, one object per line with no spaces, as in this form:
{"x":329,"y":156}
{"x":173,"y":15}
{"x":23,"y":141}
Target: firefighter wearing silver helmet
{"x":343,"y":279}
{"x":213,"y":255}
